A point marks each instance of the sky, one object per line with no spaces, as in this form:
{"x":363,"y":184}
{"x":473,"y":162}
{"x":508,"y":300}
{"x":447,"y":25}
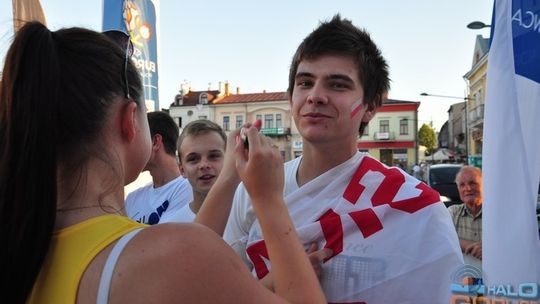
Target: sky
{"x":250,"y":43}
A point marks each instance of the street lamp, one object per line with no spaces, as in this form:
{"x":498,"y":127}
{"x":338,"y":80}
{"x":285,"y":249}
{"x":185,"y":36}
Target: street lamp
{"x":476,"y":25}
{"x":444,"y":96}
{"x":465,"y":99}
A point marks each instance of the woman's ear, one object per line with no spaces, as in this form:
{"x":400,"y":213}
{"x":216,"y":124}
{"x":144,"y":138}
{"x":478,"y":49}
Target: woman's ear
{"x":129,"y":121}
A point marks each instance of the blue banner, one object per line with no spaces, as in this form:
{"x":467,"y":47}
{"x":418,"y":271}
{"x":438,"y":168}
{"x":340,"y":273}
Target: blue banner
{"x":526,"y":38}
{"x":138,"y":18}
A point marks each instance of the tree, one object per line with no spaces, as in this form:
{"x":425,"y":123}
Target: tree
{"x":426,"y":138}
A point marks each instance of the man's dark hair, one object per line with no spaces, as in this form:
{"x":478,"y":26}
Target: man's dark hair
{"x":162,"y":123}
{"x":340,"y":37}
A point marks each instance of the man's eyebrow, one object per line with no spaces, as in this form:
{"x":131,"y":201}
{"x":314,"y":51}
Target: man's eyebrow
{"x":303,"y":74}
{"x":340,"y":77}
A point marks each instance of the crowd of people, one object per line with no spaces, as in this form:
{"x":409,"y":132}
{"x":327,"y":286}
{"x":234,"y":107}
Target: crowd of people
{"x":222,"y":221}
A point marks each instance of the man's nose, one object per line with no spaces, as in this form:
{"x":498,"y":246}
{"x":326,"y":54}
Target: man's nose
{"x":204,"y":164}
{"x":317,"y":95}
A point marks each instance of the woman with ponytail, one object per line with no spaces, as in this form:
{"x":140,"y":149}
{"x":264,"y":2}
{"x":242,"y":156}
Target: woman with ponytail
{"x":73,"y":132}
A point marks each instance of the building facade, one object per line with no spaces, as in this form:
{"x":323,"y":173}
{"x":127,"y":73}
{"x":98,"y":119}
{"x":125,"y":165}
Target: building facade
{"x":273,"y":109}
{"x":476,"y":79}
{"x":231,"y":111}
{"x":392,"y":135}
{"x":457,"y":131}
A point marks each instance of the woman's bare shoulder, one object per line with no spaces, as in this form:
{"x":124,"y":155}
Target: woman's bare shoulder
{"x":168,"y":262}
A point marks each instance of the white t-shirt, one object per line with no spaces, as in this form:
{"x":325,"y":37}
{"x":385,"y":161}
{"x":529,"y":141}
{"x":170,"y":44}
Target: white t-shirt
{"x":151,"y":205}
{"x":183,"y":215}
{"x":393,"y":241}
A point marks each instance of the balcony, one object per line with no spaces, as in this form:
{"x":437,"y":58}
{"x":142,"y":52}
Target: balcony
{"x":476,"y":114}
{"x":276,"y":131}
{"x":384,"y":136}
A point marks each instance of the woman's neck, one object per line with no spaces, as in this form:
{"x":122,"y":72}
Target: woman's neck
{"x":92,"y":191}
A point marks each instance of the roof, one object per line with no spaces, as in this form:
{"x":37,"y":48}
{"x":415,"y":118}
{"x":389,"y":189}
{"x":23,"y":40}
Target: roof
{"x":481,"y":48}
{"x":192,"y":98}
{"x":252,"y":97}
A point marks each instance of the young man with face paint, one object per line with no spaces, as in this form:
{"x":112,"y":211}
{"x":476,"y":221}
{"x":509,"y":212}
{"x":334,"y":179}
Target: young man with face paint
{"x":391,"y":238}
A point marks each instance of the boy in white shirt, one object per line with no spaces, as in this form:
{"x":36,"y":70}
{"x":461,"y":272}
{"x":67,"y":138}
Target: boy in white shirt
{"x":201,"y":150}
{"x":169,"y":191}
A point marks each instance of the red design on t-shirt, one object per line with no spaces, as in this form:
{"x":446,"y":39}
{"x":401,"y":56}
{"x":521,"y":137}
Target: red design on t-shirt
{"x":333,"y":232}
{"x":256,"y":253}
{"x":389,"y":187}
{"x":366,"y":220}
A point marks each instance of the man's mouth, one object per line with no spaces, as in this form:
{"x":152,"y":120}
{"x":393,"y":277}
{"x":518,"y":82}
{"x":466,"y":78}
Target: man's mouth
{"x":315,"y":115}
{"x":206,"y":177}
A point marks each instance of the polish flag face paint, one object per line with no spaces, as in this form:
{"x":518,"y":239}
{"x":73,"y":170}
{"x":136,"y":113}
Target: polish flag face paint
{"x":356,"y":107}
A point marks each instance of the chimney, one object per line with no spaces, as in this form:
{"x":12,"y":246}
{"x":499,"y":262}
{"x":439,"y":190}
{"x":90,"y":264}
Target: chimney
{"x":226,"y":93}
{"x":237,"y":90}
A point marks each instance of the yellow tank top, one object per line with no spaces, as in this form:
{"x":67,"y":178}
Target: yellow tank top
{"x":72,"y":249}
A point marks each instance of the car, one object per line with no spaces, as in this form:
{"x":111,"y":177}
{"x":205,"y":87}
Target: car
{"x":442,"y":178}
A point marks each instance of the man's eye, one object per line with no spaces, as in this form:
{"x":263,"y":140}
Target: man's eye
{"x":214,"y":156}
{"x":338,"y":85}
{"x":303,"y":83}
{"x":191,"y":159}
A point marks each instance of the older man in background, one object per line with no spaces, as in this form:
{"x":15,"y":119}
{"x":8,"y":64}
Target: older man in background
{"x":467,"y":217}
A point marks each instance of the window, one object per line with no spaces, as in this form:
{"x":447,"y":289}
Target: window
{"x":179,"y":122}
{"x":258,"y":117}
{"x":384,"y":126}
{"x":226,"y":123}
{"x":404,"y":126}
{"x":268,"y":121}
{"x":203,"y":117}
{"x":203,"y":98}
{"x":279,"y":123}
{"x":239,"y":121}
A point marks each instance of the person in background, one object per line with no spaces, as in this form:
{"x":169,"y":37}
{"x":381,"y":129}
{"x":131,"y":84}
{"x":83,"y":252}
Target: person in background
{"x":73,"y":132}
{"x":391,"y":238}
{"x":417,"y":172}
{"x":169,"y":191}
{"x":467,"y":217}
{"x":201,"y":150}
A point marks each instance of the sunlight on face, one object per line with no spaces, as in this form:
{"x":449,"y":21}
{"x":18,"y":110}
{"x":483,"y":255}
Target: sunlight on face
{"x":202,"y":160}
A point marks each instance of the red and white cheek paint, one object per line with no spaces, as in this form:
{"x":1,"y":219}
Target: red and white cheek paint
{"x":356,"y":107}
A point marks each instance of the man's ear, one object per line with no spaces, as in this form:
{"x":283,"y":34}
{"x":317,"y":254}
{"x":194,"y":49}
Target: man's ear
{"x":129,"y":121}
{"x":368,"y":115}
{"x":182,"y":171}
{"x":157,"y":141}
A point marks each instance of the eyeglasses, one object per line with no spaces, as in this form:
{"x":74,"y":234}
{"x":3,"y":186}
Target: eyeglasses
{"x":123,"y":40}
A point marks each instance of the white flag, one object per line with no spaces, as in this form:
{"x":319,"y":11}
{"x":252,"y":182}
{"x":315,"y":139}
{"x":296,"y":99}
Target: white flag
{"x":511,"y":151}
{"x":25,"y":11}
